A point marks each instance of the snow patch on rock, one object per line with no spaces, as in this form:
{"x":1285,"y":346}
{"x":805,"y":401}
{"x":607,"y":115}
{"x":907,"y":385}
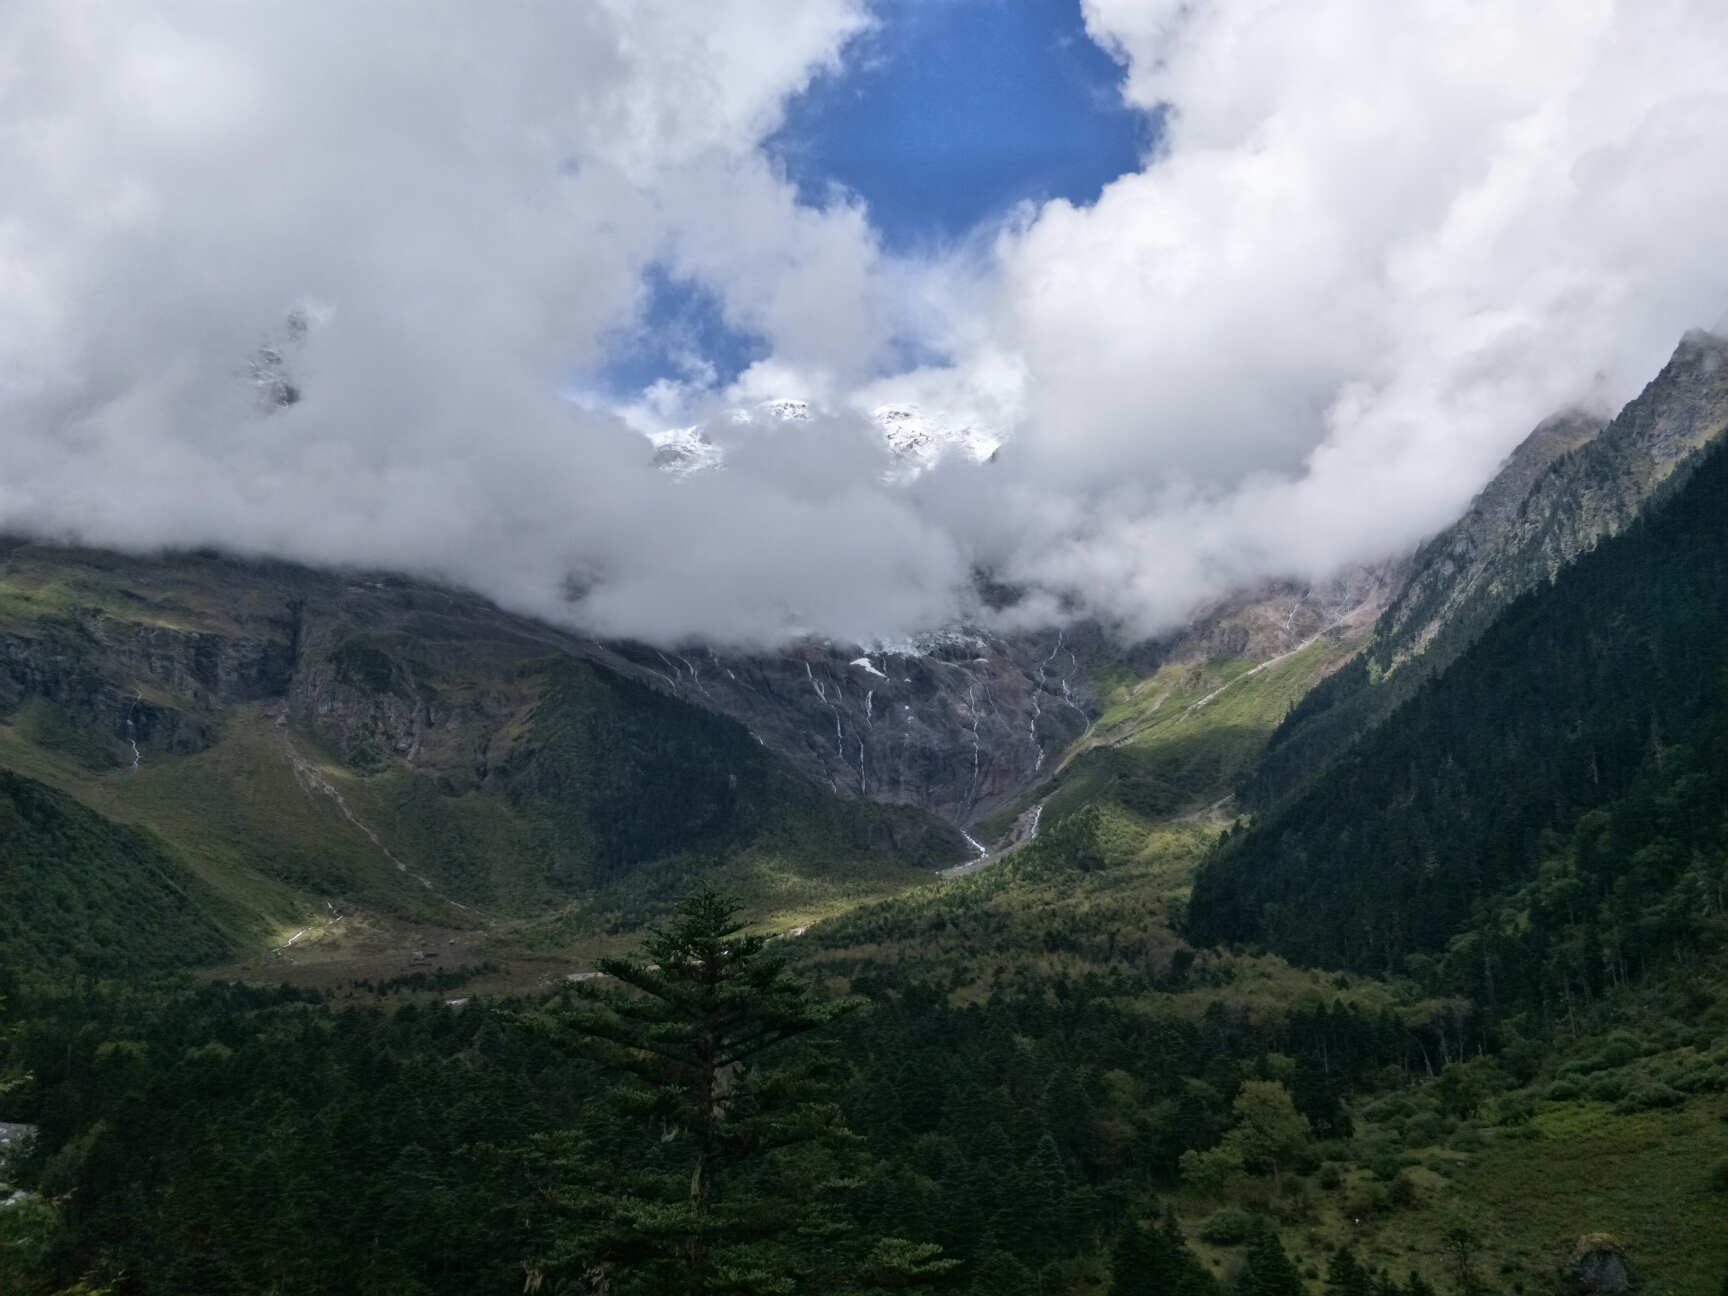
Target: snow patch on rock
{"x":917,"y":438}
{"x":683,"y":451}
{"x":920,"y":439}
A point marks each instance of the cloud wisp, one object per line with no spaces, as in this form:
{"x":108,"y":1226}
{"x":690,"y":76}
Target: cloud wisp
{"x":312,"y":281}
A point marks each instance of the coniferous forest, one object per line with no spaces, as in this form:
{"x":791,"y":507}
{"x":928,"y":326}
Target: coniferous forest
{"x":1548,"y":811}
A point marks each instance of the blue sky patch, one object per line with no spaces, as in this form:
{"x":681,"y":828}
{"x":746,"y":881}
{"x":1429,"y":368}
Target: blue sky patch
{"x":681,"y":334}
{"x":949,"y":112}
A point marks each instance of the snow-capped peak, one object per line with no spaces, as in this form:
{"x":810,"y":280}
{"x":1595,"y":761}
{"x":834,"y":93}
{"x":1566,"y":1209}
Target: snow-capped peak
{"x":918,"y":440}
{"x":683,"y":451}
{"x":921,"y":439}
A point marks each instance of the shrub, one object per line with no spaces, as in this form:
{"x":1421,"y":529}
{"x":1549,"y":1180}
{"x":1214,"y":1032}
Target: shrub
{"x":1385,"y":1167}
{"x":1514,"y":1109}
{"x":1424,"y":1129}
{"x":1365,"y":1200}
{"x":1719,"y":1177}
{"x":1226,"y":1227}
{"x":1208,"y":1172}
{"x":1621,"y":1049}
{"x":1402,"y":1194}
{"x":1608,"y":1088}
{"x":1647,"y":1096}
{"x":1468,"y":1139}
{"x":1331,"y":1178}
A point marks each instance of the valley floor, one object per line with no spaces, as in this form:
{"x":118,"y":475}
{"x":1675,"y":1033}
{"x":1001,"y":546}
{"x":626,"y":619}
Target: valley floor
{"x":1527,"y":1174}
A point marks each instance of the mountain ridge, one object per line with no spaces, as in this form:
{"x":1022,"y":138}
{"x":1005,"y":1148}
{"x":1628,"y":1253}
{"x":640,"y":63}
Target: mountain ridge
{"x":1574,"y":481}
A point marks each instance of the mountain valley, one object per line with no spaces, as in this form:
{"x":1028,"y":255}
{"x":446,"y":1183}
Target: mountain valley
{"x":1384,"y":917}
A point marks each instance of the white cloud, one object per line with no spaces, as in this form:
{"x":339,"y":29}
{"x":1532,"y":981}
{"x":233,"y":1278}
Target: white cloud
{"x":1377,"y":245}
{"x":472,"y":192}
{"x":1380,"y":243}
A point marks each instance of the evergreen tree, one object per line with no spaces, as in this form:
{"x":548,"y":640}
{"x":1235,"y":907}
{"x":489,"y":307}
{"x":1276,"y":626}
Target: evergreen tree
{"x":1031,"y":1219}
{"x":1267,"y":1270}
{"x":1000,"y":1274}
{"x":1156,"y":1261}
{"x":896,"y":1265}
{"x":1345,"y":1276}
{"x":702,"y":1003}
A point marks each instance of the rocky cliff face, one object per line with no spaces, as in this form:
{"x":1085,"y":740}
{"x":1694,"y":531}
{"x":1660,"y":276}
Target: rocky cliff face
{"x":958,"y":723}
{"x":142,"y":654}
{"x":966,"y":722}
{"x":1279,"y":616}
{"x":1573,"y":481}
{"x":137,"y":655}
{"x":121,"y":651}
{"x":129,"y":683}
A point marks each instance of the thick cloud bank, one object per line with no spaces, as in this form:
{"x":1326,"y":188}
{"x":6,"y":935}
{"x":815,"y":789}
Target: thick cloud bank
{"x":313,"y":280}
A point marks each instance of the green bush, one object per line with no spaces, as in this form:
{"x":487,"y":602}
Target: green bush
{"x":1621,"y":1049}
{"x":1402,"y":1194}
{"x":1424,"y":1129}
{"x":1365,"y":1200}
{"x":1226,"y":1227}
{"x":1647,"y":1096}
{"x":1385,"y":1168}
{"x":1609,"y":1088}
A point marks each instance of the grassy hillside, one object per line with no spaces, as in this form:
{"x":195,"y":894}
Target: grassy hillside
{"x":312,"y":747}
{"x":1179,"y":740}
{"x":77,"y":890}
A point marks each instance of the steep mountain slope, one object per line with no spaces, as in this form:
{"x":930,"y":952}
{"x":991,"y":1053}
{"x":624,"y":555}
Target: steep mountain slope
{"x":1571,"y":483}
{"x":1551,"y":806}
{"x":301,"y":739}
{"x":1183,"y":718}
{"x":79,"y":891}
{"x":956,"y":722}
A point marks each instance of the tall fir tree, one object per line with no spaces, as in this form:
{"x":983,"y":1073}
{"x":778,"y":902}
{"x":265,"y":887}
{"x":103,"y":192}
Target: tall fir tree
{"x":701,"y":1213}
{"x":1155,"y":1260}
{"x":1267,"y":1270}
{"x":1345,"y":1275}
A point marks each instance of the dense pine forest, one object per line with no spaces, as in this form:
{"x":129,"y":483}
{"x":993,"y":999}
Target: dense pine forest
{"x":230,"y":1138}
{"x":1544,"y":820}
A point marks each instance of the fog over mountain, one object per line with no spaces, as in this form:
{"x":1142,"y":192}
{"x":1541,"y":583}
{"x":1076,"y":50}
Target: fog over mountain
{"x":324,"y":281}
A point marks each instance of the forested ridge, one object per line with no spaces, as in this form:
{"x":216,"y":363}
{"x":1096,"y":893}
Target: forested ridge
{"x":1569,"y":484}
{"x":78,"y":891}
{"x":1548,"y":814}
